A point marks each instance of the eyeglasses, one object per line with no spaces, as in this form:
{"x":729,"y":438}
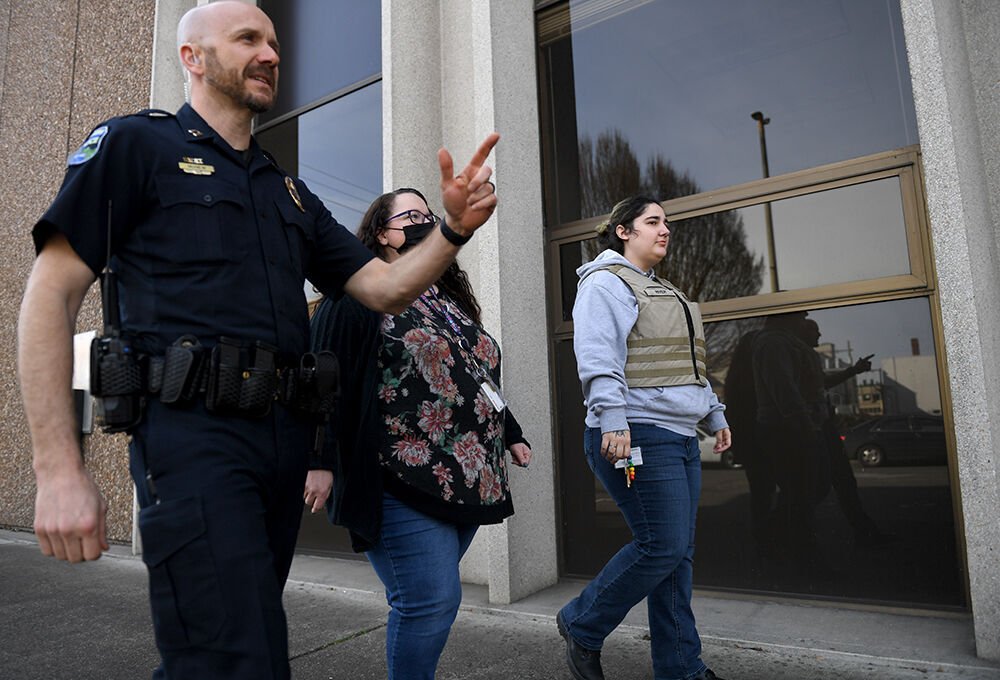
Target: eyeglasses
{"x":416,"y":217}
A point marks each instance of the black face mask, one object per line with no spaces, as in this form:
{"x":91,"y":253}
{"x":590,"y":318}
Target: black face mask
{"x":414,"y":234}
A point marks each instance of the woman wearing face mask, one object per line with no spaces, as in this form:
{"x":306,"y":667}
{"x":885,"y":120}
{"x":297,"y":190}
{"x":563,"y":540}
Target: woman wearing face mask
{"x":640,"y":353}
{"x":418,"y":448}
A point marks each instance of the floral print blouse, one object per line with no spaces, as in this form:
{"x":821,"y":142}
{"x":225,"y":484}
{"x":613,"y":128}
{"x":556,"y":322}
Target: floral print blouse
{"x":443,"y":439}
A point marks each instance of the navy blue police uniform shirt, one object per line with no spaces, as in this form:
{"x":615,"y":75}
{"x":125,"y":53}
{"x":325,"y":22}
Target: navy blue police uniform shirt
{"x":205,"y":240}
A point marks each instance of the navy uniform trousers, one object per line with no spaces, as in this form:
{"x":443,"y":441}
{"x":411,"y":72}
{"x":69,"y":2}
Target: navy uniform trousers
{"x":218,"y":523}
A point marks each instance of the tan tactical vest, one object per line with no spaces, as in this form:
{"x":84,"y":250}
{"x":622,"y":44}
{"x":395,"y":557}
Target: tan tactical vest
{"x":666,"y":346}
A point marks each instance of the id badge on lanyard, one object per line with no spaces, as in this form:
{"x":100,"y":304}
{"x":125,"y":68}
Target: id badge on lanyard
{"x":486,"y":384}
{"x":492,"y":392}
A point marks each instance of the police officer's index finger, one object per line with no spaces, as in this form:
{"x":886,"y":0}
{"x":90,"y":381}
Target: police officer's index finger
{"x":479,"y":158}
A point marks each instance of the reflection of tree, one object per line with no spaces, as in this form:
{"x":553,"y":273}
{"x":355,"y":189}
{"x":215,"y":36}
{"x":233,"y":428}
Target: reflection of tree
{"x":708,"y":256}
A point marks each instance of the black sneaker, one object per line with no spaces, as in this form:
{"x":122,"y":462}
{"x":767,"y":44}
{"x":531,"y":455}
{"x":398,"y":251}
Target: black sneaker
{"x":707,"y":674}
{"x":584,"y":664}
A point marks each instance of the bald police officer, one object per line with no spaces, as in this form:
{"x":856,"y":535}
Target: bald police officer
{"x":209,"y":238}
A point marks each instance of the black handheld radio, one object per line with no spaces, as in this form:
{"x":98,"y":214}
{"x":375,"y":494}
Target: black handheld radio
{"x":115,"y":370}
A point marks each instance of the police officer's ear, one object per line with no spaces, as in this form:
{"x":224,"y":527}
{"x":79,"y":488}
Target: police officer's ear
{"x":189,"y":56}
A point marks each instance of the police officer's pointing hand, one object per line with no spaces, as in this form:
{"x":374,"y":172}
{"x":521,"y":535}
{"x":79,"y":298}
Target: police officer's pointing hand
{"x":468,"y":198}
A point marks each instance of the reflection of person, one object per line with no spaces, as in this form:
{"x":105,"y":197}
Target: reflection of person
{"x":845,"y":485}
{"x":422,"y":436}
{"x":790,"y":412}
{"x":640,"y":352}
{"x":208,"y":238}
{"x":741,"y":412}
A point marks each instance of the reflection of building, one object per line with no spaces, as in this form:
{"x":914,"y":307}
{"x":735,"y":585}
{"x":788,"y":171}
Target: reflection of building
{"x":842,"y":396}
{"x":916,"y":376}
{"x":425,"y":99}
{"x":907,"y":384}
{"x":870,"y":400}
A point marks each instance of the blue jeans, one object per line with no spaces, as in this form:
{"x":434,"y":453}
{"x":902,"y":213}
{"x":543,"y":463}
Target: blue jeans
{"x":660,"y":510}
{"x":417,"y":557}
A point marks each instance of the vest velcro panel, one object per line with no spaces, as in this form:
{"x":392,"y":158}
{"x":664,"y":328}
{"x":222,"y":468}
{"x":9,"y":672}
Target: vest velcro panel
{"x":661,"y":349}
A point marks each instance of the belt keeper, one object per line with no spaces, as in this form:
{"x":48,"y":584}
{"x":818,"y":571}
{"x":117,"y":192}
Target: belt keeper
{"x":154,"y":376}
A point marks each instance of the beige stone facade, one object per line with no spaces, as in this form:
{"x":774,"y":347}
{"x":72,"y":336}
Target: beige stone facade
{"x":64,"y":67}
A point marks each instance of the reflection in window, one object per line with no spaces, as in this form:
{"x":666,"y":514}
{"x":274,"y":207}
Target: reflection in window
{"x":337,"y":150}
{"x":326,"y":45}
{"x":864,"y":452}
{"x":877,"y":488}
{"x":340,"y":153}
{"x":850,"y":233}
{"x":656,"y":96}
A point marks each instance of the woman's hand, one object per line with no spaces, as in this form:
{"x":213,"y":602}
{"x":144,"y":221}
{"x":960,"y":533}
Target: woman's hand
{"x":616,"y":445}
{"x":521,"y":454}
{"x":723,"y":440}
{"x":318,"y":486}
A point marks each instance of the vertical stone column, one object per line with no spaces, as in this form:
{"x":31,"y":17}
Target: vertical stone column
{"x":453,"y":71}
{"x":954,"y":68}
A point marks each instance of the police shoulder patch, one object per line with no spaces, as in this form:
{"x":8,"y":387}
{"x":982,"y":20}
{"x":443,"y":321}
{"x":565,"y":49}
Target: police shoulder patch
{"x":89,"y":148}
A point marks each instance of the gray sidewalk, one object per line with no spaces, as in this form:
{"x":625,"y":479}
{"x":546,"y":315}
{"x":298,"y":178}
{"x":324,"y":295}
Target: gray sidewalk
{"x":92,"y":621}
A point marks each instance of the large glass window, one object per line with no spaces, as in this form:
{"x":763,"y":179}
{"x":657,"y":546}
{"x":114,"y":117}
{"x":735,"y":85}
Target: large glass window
{"x":326,"y":46}
{"x":658,"y":95}
{"x":850,"y":233}
{"x":780,"y":137}
{"x":878,"y":477}
{"x":880,"y":481}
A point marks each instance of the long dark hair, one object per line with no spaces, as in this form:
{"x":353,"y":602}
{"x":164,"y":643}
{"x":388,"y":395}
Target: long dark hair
{"x":624,"y":213}
{"x":454,"y":282}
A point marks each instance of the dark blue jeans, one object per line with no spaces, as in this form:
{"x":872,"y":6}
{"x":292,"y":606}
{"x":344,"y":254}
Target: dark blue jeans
{"x":660,"y":510}
{"x":417,"y":558}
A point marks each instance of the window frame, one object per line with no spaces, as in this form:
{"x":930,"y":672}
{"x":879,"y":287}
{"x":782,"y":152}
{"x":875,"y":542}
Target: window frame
{"x":902,"y":163}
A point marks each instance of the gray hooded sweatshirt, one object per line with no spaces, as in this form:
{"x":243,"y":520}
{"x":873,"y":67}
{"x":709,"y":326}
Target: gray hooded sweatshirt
{"x":603,"y":315}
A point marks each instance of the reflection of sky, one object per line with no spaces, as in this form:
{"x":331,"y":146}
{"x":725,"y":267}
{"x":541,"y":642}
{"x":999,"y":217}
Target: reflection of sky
{"x":681,"y":79}
{"x":882,"y":328}
{"x":340,"y":153}
{"x":326,"y":45}
{"x":852,"y":233}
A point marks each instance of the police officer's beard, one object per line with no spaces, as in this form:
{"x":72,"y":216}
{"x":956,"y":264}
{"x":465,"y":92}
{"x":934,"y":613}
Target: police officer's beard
{"x":233,"y":83}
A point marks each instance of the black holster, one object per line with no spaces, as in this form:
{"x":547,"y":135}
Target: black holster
{"x":117,"y":379}
{"x":313,"y":386}
{"x":242,"y":378}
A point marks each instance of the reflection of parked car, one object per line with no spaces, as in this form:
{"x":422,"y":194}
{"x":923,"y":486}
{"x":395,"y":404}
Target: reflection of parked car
{"x":898,"y":439}
{"x":706,"y":442}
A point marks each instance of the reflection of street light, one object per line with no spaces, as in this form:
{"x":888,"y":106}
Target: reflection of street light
{"x":768,"y":224}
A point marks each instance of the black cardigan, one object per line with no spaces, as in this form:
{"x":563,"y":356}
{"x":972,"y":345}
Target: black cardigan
{"x":350,"y":449}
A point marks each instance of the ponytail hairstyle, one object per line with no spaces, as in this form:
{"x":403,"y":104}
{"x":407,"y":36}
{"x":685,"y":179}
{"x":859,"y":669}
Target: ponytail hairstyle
{"x":454,"y":282}
{"x":624,"y":213}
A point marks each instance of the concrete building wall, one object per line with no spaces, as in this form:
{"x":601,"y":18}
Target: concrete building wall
{"x":66,"y":66}
{"x":954,"y":68}
{"x":477,"y":60}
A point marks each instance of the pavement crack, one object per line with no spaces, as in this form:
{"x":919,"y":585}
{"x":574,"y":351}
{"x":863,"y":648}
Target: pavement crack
{"x":334,"y":643}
